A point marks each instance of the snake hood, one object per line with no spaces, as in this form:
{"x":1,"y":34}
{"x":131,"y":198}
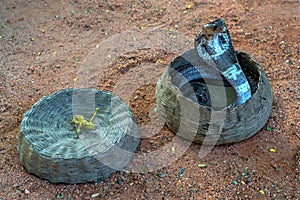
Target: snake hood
{"x":214,"y":46}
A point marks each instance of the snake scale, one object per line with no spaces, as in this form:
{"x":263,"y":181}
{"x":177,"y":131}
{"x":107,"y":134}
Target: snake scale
{"x":214,"y":46}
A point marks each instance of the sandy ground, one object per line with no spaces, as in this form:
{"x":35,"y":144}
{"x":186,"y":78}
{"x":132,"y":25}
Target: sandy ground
{"x":46,"y":45}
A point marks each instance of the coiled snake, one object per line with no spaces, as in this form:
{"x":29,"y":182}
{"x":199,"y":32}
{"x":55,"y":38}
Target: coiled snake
{"x":214,"y":45}
{"x":213,"y":94}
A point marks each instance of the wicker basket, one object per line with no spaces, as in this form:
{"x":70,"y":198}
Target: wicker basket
{"x":216,"y":125}
{"x":50,"y":147}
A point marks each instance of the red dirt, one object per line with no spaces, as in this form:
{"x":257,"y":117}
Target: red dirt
{"x":44,"y":44}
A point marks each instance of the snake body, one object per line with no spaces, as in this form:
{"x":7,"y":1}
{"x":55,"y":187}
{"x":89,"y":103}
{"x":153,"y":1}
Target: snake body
{"x":214,"y":46}
{"x":192,"y":75}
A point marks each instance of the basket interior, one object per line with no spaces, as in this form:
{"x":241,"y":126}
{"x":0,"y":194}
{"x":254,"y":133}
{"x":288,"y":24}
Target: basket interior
{"x":205,"y":85}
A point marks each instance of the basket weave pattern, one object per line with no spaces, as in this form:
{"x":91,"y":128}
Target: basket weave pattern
{"x":50,"y":147}
{"x":195,"y":122}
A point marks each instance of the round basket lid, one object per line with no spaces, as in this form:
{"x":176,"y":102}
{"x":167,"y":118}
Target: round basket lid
{"x":55,"y":144}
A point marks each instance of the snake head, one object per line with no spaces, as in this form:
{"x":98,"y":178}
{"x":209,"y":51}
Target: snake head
{"x":217,"y":26}
{"x":214,"y":40}
{"x":211,"y":29}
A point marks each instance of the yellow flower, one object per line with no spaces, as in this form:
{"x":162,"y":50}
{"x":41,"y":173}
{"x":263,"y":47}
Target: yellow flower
{"x":81,"y":122}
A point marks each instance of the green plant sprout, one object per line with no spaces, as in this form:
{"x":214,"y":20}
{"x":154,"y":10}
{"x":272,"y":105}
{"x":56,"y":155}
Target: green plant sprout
{"x":81,"y":122}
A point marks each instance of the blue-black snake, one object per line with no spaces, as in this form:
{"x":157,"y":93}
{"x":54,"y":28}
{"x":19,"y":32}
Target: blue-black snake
{"x":214,"y":46}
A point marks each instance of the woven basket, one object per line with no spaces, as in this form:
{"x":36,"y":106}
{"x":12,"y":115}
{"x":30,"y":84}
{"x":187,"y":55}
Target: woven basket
{"x":218,"y":124}
{"x":50,"y":147}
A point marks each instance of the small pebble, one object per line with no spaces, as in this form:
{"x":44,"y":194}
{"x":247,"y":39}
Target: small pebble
{"x":136,"y":98}
{"x":27,"y":191}
{"x":95,"y":195}
{"x":201,"y":165}
{"x":272,"y":150}
{"x":248,"y":35}
{"x":172,"y":149}
{"x":190,"y":6}
{"x":234,"y":182}
{"x":239,"y":31}
{"x":181,"y":171}
{"x":261,"y":191}
{"x":120,"y":181}
{"x":249,"y":179}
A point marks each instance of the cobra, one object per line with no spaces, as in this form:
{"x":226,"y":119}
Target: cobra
{"x":214,"y":46}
